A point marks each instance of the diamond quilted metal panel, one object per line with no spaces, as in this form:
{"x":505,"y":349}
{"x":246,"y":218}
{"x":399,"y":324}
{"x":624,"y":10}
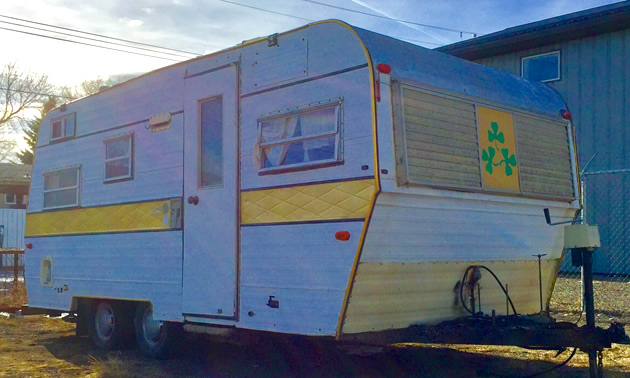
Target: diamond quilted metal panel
{"x":327,"y":201}
{"x":141,"y":216}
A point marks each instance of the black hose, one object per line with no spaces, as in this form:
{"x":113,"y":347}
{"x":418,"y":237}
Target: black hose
{"x":502,"y":287}
{"x":555,"y":367}
{"x":461,"y":288}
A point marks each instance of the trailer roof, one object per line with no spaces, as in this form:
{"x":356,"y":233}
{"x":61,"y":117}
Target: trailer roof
{"x":435,"y":70}
{"x":444,"y":72}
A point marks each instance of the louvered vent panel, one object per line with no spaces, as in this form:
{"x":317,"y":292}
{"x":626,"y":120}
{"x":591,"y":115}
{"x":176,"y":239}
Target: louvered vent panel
{"x":441,"y":140}
{"x":544,"y":157}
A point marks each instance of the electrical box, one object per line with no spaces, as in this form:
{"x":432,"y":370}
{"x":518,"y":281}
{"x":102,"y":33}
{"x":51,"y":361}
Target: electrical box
{"x":160,"y":122}
{"x":581,"y":236}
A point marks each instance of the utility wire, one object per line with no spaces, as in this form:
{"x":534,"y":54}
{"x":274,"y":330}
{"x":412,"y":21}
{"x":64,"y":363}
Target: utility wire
{"x":88,"y":44}
{"x":425,"y":42}
{"x":94,"y":39}
{"x":390,"y":19}
{"x":310,"y":20}
{"x":266,"y":10}
{"x":99,"y":35}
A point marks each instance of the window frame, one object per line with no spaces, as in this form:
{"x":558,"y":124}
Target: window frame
{"x":200,"y":150}
{"x":336,"y":103}
{"x":63,"y":119}
{"x":77,"y":187}
{"x":129,"y":156}
{"x":559,"y":72}
{"x":6,"y":201}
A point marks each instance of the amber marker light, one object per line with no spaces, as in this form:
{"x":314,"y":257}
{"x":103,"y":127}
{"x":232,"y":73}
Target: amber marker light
{"x":342,"y":235}
{"x":384,"y":68}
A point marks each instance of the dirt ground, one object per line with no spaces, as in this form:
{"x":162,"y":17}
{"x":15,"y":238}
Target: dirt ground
{"x":39,"y":346}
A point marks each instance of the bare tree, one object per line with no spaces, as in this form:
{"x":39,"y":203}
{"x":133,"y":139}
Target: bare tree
{"x":20,"y":90}
{"x":86,"y":88}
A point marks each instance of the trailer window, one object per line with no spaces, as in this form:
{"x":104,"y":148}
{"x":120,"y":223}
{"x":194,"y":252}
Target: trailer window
{"x":61,"y":188}
{"x":211,"y":148}
{"x":300,"y":139}
{"x":119,"y":158}
{"x":63,"y":127}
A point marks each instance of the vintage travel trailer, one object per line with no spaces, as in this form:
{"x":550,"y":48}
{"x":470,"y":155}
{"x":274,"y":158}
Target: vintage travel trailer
{"x":326,"y":181}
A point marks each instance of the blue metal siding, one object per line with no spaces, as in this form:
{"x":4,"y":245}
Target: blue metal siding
{"x":594,"y":83}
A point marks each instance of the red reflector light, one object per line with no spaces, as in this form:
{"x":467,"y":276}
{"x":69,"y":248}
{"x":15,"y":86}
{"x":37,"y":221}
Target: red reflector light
{"x":565,"y":114}
{"x":342,"y":235}
{"x":29,"y":245}
{"x":384,"y":68}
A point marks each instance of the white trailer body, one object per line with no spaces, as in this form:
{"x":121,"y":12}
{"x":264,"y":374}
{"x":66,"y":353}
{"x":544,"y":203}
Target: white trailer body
{"x":223,"y":189}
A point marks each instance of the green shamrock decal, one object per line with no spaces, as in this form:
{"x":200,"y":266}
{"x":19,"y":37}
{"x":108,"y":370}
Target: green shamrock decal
{"x":488,"y":156}
{"x":510,"y":160}
{"x":494,"y":135}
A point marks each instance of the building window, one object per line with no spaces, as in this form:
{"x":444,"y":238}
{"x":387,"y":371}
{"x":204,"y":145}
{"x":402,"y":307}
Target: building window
{"x":63,"y":127}
{"x":10,"y":199}
{"x":304,"y":138}
{"x":61,"y":188}
{"x":542,"y":67}
{"x":119,"y":158}
{"x":211,"y":144}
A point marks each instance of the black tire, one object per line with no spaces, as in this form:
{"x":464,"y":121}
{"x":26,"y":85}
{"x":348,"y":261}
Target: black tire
{"x":111,"y":325}
{"x":156,"y":339}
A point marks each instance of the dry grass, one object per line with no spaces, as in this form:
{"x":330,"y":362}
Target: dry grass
{"x":21,"y":356}
{"x":38,"y":346}
{"x":12,"y":295}
{"x":612,"y":301}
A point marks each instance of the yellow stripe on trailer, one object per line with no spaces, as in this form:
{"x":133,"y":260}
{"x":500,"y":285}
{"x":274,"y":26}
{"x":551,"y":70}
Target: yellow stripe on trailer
{"x":314,"y":202}
{"x":140,"y":216}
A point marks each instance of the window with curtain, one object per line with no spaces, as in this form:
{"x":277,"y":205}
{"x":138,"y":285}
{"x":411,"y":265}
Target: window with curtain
{"x":61,"y":188}
{"x":300,"y":139}
{"x":119,"y":158}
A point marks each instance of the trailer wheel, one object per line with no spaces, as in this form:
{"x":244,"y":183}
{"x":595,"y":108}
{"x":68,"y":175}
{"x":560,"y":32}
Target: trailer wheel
{"x":157,"y":339}
{"x":110,"y":325}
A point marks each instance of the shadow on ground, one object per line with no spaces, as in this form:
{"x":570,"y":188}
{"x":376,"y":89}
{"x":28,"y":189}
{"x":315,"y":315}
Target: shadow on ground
{"x":296,"y":356}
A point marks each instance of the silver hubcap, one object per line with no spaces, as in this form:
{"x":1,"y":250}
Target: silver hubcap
{"x":152,"y":329}
{"x":104,"y":320}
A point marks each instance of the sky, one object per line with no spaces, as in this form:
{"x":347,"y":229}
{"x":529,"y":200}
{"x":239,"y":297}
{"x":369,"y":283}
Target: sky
{"x":205,"y":26}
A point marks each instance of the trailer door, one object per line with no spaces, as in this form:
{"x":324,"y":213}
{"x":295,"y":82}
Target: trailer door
{"x":210,"y":186}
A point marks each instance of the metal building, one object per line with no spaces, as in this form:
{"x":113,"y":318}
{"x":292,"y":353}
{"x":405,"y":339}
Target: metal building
{"x":585,"y":56}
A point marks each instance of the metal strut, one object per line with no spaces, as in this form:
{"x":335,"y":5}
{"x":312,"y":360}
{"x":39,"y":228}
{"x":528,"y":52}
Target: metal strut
{"x":589,"y":304}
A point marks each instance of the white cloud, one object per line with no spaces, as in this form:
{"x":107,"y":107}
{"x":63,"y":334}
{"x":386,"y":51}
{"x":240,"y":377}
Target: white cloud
{"x":202,"y":26}
{"x":134,"y":23}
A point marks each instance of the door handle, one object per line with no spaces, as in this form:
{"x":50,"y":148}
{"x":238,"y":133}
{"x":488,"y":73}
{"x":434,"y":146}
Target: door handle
{"x":193,"y":200}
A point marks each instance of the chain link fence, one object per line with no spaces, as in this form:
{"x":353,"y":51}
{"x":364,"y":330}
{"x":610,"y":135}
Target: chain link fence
{"x":12,"y":286}
{"x":606,"y":199}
